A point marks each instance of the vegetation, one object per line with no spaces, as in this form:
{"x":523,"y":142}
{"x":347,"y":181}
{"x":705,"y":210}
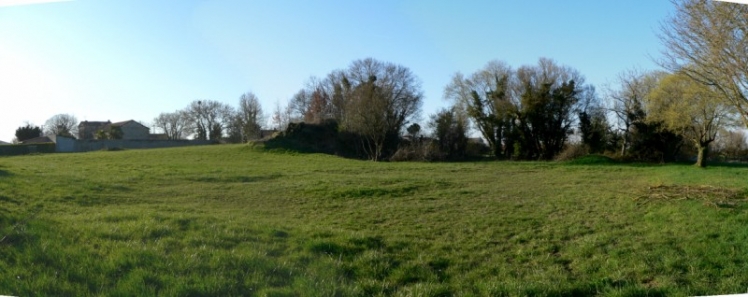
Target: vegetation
{"x":62,"y":124}
{"x":237,"y":220}
{"x":372,"y":101}
{"x":691,"y":110}
{"x":27,"y":132}
{"x":706,"y":40}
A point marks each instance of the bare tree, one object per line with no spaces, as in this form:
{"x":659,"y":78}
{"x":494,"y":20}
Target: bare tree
{"x":174,"y":124}
{"x":249,"y":117}
{"x":377,"y":99}
{"x":314,"y":103}
{"x":732,"y":144}
{"x":282,"y":116}
{"x":61,"y":124}
{"x":707,"y":41}
{"x":209,"y":118}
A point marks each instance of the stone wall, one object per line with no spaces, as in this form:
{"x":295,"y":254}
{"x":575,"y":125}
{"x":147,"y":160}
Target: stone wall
{"x":68,"y":145}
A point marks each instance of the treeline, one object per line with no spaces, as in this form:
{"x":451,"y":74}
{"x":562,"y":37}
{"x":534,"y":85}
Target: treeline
{"x":534,"y":112}
{"x":214,"y":120}
{"x":546,"y":111}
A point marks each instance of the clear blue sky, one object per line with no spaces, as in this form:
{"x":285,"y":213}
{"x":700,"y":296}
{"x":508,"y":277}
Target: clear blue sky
{"x":133,"y":59}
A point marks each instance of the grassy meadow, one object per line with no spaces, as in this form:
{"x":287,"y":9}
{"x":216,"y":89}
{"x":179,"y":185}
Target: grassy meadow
{"x":235,"y":220}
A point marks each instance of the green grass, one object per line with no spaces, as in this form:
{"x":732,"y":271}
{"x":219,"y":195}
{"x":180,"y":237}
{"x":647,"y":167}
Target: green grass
{"x":236,"y":220}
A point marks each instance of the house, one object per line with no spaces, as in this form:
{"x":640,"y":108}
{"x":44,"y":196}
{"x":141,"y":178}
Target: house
{"x":131,"y":130}
{"x":88,"y":130}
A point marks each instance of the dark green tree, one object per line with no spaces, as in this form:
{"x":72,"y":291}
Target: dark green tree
{"x":450,"y":134}
{"x":27,"y":132}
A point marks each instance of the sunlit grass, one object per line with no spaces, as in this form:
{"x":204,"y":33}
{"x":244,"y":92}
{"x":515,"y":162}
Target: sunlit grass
{"x":235,"y":220}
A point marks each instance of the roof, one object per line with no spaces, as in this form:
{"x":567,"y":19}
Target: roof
{"x":4,"y":143}
{"x":41,"y":139}
{"x":120,"y":124}
{"x":93,"y":123}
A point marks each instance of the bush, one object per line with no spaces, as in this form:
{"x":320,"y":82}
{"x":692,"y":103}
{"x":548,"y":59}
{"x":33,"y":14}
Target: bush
{"x":572,"y":152}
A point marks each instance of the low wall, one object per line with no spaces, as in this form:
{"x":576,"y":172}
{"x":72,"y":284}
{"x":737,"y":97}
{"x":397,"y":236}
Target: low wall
{"x":67,"y":145}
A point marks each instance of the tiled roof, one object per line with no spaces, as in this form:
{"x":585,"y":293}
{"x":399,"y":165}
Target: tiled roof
{"x":120,"y":124}
{"x":41,"y":139}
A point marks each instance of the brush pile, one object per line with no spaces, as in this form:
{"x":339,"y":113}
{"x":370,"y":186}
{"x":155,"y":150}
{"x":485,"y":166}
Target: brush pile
{"x":710,"y":195}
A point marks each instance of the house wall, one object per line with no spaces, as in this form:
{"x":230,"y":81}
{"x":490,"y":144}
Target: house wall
{"x":132,"y":130}
{"x":87,"y":130}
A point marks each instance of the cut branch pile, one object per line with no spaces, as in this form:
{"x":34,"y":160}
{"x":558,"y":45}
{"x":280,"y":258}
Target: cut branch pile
{"x":710,"y":195}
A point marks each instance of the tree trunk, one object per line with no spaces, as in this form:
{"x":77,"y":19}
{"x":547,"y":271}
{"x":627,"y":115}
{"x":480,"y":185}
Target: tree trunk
{"x":703,"y":155}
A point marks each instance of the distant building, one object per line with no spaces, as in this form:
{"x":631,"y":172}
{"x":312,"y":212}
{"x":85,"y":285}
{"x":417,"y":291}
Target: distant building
{"x":40,"y":139}
{"x":131,"y":130}
{"x":4,"y":143}
{"x":88,"y":130}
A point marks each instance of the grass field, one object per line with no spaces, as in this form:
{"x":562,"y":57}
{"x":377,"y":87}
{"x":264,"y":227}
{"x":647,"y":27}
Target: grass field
{"x":236,"y":220}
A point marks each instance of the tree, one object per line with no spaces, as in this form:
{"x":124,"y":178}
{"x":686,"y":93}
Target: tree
{"x":450,"y":130}
{"x":379,"y":98}
{"x":174,"y":124}
{"x":112,"y":132}
{"x":732,"y":144}
{"x":486,"y":98}
{"x":282,"y":116}
{"x":413,"y":130}
{"x":548,"y":96}
{"x":27,"y":132}
{"x":249,"y":117}
{"x":690,"y":109}
{"x":208,"y":118}
{"x":526,"y":113}
{"x":707,"y":41}
{"x":628,"y":101}
{"x":594,"y":129}
{"x":62,"y":125}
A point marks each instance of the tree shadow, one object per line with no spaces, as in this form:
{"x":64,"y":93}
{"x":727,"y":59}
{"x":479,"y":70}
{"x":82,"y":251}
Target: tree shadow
{"x":727,"y":164}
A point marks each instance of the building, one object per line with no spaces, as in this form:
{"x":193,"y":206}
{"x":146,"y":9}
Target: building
{"x":131,"y":130}
{"x":40,"y":139}
{"x":88,"y":130}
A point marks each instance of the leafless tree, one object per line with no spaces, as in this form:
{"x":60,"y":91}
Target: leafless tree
{"x":249,"y":116}
{"x":209,"y":118}
{"x":61,"y":124}
{"x":732,"y":144}
{"x":707,"y":41}
{"x":174,"y":124}
{"x":282,"y":116}
{"x":378,"y":99}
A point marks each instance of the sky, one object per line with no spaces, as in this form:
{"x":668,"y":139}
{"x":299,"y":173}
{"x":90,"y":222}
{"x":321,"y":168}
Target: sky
{"x":118,"y":60}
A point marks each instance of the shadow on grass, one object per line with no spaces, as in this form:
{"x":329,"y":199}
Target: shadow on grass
{"x":4,"y":173}
{"x":727,"y":164}
{"x":236,"y":179}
